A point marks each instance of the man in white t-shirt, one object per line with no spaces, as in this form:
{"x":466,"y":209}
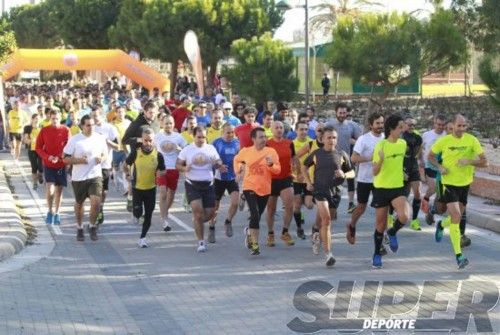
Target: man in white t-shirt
{"x":169,"y":143}
{"x":198,"y":160}
{"x":86,"y":151}
{"x":362,"y":155}
{"x":428,"y":139}
{"x":110,"y":134}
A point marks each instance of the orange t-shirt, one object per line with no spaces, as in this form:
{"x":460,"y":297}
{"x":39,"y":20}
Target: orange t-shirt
{"x":286,"y":151}
{"x":258,"y":174}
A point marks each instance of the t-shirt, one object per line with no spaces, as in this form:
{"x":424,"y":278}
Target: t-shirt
{"x":203,"y":121}
{"x":324,"y":164}
{"x":33,"y":133}
{"x":110,"y":133}
{"x":428,"y":139}
{"x":453,"y":149}
{"x":169,"y":146}
{"x":92,"y":147}
{"x":232,"y":120}
{"x":213,"y":134}
{"x":227,"y":151}
{"x":188,"y":136}
{"x":17,"y":120}
{"x":346,"y":131}
{"x":74,"y":129}
{"x":243,"y":133}
{"x":51,"y":142}
{"x":121,"y":127}
{"x":391,"y":173}
{"x":364,"y":147}
{"x":268,"y":132}
{"x":179,"y":115}
{"x":144,"y":166}
{"x":286,"y":151}
{"x":413,"y":144}
{"x":201,"y":160}
{"x":297,"y":145}
{"x":257,"y":174}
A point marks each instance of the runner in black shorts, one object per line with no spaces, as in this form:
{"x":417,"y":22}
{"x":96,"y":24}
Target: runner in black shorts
{"x":330,"y":168}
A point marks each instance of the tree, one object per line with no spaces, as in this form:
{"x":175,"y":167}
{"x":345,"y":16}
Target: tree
{"x":264,"y":69}
{"x":7,"y":41}
{"x":388,"y":49}
{"x":127,"y":33}
{"x":489,"y":71}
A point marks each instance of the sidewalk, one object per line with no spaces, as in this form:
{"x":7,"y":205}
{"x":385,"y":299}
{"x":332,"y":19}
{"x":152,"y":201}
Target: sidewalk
{"x":483,"y":213}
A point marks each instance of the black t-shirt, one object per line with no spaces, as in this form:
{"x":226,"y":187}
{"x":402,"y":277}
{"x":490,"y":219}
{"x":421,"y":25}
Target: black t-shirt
{"x":413,"y":144}
{"x":325,"y":164}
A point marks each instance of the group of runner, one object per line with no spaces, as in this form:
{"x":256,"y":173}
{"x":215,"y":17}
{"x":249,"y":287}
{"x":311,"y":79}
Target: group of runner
{"x":296,"y":158}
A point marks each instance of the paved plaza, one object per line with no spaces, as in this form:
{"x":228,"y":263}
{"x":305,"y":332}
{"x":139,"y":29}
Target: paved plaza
{"x":61,"y":286}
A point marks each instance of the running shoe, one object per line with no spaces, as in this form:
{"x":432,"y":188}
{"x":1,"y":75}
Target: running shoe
{"x":80,"y":237}
{"x":429,"y":218}
{"x":241,"y":203}
{"x":351,"y":208}
{"x":415,"y":225}
{"x":393,"y":243}
{"x":464,"y":241}
{"x":255,"y":249}
{"x":438,"y":235}
{"x":166,"y":226}
{"x":35,"y":186}
{"x":100,"y":217}
{"x":386,"y":239}
{"x":462,"y":262}
{"x":211,"y":235}
{"x":390,"y":221}
{"x":143,"y":243}
{"x":49,"y":219}
{"x":40,"y":179}
{"x":301,"y":234}
{"x":330,"y":261}
{"x":383,"y":251}
{"x":229,"y":228}
{"x":425,"y":206}
{"x":316,"y":243}
{"x":57,"y":219}
{"x":377,"y":262}
{"x":93,"y":233}
{"x":287,"y":238}
{"x":350,"y":233}
{"x":248,"y":243}
{"x":270,"y":240}
{"x":201,"y":247}
{"x":130,"y":205}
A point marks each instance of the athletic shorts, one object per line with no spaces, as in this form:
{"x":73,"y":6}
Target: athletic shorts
{"x":200,"y":190}
{"x":455,"y":194}
{"x":431,"y":173}
{"x":55,"y":176}
{"x":439,"y":191}
{"x":105,"y":179}
{"x":169,"y":179}
{"x":333,"y":200}
{"x":301,"y":189}
{"x":85,"y":188}
{"x":413,"y":174}
{"x":363,"y":192}
{"x":382,"y":197}
{"x":221,"y":186}
{"x":118,"y":158}
{"x":278,"y":185}
{"x":15,"y":136}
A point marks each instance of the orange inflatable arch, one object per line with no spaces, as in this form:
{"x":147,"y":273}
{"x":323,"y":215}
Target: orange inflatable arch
{"x":74,"y":59}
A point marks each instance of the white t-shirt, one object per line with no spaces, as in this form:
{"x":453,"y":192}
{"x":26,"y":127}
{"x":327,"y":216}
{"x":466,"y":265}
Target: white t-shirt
{"x":91,"y":147}
{"x":365,"y":144}
{"x":428,"y":139}
{"x":201,"y":161}
{"x":109,"y":132}
{"x":167,"y":146}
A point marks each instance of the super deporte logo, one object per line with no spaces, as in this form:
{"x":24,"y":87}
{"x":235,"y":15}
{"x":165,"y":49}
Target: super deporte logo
{"x":462,"y":148}
{"x":403,"y":306}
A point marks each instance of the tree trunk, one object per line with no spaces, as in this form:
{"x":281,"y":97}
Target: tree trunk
{"x":173,"y":79}
{"x":211,"y":73}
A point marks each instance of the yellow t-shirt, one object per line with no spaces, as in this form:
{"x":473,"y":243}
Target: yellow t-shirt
{"x":17,"y":120}
{"x":121,"y":127}
{"x":33,"y":135}
{"x":144,"y":170}
{"x":391,"y":173}
{"x":74,"y":129}
{"x":45,"y":123}
{"x":213,"y":134}
{"x":453,"y":149}
{"x":298,"y":144}
{"x":268,"y":132}
{"x":188,"y":136}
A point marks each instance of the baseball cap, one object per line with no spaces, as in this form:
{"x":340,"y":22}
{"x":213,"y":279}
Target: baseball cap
{"x":227,"y":105}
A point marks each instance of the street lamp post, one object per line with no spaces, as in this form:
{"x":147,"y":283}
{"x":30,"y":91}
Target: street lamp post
{"x":284,"y":5}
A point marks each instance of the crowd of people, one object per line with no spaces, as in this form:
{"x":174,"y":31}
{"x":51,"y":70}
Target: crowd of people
{"x":145,"y":143}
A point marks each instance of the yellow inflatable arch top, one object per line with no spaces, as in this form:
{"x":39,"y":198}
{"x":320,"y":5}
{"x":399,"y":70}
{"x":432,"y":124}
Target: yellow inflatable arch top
{"x":74,"y":59}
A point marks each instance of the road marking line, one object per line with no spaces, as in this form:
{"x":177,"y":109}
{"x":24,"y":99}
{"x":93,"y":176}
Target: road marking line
{"x":180,"y":223}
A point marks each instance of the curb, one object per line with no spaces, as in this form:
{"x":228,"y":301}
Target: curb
{"x":485,"y":221}
{"x":13,"y":236}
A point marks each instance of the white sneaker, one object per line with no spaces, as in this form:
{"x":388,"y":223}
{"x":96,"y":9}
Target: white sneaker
{"x":166,"y":226}
{"x":329,"y":260}
{"x":143,"y":243}
{"x":201,"y":247}
{"x":316,"y":243}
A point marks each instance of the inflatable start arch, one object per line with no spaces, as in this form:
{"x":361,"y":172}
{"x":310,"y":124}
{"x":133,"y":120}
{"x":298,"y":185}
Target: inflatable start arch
{"x":74,"y":59}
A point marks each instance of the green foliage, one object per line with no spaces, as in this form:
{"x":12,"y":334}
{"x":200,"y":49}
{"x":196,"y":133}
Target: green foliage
{"x":127,"y":33}
{"x":7,"y":40}
{"x":489,"y":71}
{"x":387,"y":49}
{"x":264,"y":69}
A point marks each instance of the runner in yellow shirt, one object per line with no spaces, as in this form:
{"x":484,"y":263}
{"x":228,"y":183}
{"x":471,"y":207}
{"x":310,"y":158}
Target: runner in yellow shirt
{"x":17,"y":119}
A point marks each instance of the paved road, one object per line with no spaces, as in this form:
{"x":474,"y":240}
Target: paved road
{"x":60,"y":286}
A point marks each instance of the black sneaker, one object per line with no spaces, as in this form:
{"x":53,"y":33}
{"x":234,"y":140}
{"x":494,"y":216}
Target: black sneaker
{"x":429,"y":218}
{"x":465,"y":241}
{"x":80,"y":237}
{"x":300,"y":234}
{"x":93,"y":233}
{"x":351,"y":208}
{"x":229,"y":228}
